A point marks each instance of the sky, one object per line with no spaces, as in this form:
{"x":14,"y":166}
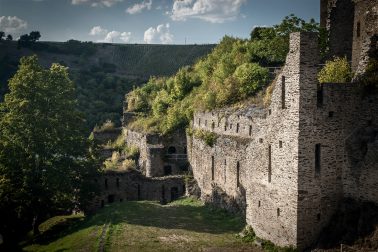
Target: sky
{"x":147,"y":21}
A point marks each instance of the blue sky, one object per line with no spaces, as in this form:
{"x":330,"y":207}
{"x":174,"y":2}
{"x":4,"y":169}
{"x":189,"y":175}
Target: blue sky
{"x":147,"y":21}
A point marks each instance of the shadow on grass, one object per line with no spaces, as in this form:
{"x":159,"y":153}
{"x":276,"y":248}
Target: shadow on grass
{"x":198,"y":218}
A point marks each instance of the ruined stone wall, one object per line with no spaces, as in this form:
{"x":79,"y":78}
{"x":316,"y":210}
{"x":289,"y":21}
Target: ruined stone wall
{"x":337,"y":18}
{"x":131,"y":185}
{"x":160,"y":155}
{"x":299,"y":157}
{"x":365,"y":27}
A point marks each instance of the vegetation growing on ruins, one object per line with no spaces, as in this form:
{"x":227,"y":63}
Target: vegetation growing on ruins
{"x":337,"y":70}
{"x":234,"y":71}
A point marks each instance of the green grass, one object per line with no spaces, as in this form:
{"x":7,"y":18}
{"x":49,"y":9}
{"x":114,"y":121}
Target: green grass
{"x":184,"y":225}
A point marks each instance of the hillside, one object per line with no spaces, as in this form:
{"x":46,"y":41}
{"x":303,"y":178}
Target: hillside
{"x":103,"y":73}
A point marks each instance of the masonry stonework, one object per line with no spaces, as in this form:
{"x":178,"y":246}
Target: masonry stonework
{"x":294,"y":161}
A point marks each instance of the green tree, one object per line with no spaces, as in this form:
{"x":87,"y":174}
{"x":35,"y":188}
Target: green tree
{"x":45,"y":164}
{"x":34,"y":36}
{"x":2,"y":35}
{"x":9,"y":37}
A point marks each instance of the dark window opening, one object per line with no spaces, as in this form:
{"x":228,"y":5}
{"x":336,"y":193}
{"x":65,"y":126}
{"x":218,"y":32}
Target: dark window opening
{"x":280,"y":144}
{"x":171,"y":150}
{"x":283,"y":94}
{"x":318,"y":216}
{"x":270,"y":111}
{"x":139,"y":192}
{"x":237,"y":174}
{"x":163,"y":194}
{"x":237,"y":128}
{"x":199,"y":121}
{"x":212,"y":167}
{"x":117,"y":182}
{"x":111,"y":198}
{"x":225,"y":127}
{"x":174,"y":193}
{"x":225,"y":162}
{"x":278,"y":212}
{"x":319,"y":97}
{"x":261,"y":140}
{"x":270,"y":163}
{"x":317,"y":158}
{"x":218,"y":123}
{"x":259,"y":203}
{"x":358,"y":29}
{"x":230,"y":126}
{"x":106,"y":183}
{"x":250,"y":130}
{"x":330,"y":114}
{"x":167,"y":170}
{"x":213,"y":125}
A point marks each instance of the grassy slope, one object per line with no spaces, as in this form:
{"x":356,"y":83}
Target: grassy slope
{"x":185,"y":225}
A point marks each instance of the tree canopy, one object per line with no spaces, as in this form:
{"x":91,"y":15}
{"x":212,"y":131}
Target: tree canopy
{"x":44,"y":152}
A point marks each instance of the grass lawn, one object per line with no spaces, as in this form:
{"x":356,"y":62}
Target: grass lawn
{"x":184,"y":225}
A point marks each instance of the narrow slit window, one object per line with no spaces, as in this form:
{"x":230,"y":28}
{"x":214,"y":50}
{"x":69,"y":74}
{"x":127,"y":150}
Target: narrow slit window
{"x":199,"y":121}
{"x":212,"y":167}
{"x":213,"y":125}
{"x":225,"y":127}
{"x":283,"y":89}
{"x":317,"y":158}
{"x":259,"y":203}
{"x":250,"y":130}
{"x":280,"y":144}
{"x":358,"y":30}
{"x":278,"y":212}
{"x":270,"y":163}
{"x":238,"y":174}
{"x":237,"y":128}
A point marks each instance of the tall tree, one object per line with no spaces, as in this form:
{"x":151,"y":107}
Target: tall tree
{"x":9,"y":37}
{"x":44,"y":154}
{"x":2,"y":35}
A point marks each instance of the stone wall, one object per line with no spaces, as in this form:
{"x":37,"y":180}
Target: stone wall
{"x":365,"y":27}
{"x":337,"y":17}
{"x":295,"y":160}
{"x":160,"y":155}
{"x":132,"y":185}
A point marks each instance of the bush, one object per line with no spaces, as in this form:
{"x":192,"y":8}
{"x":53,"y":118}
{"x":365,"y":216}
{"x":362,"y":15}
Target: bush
{"x":129,"y":164}
{"x":208,"y":137}
{"x":106,"y":126}
{"x":335,"y":71}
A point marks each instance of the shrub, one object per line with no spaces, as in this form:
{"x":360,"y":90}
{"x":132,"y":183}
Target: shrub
{"x":128,"y":164}
{"x":208,"y":137}
{"x":106,"y":126}
{"x":335,"y":71}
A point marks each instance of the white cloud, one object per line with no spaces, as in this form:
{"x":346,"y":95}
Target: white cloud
{"x":125,"y":37}
{"x":160,"y":34}
{"x":214,"y":11}
{"x":96,"y":3}
{"x":139,"y":7}
{"x":13,"y":25}
{"x":98,"y":30}
{"x":110,"y":37}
